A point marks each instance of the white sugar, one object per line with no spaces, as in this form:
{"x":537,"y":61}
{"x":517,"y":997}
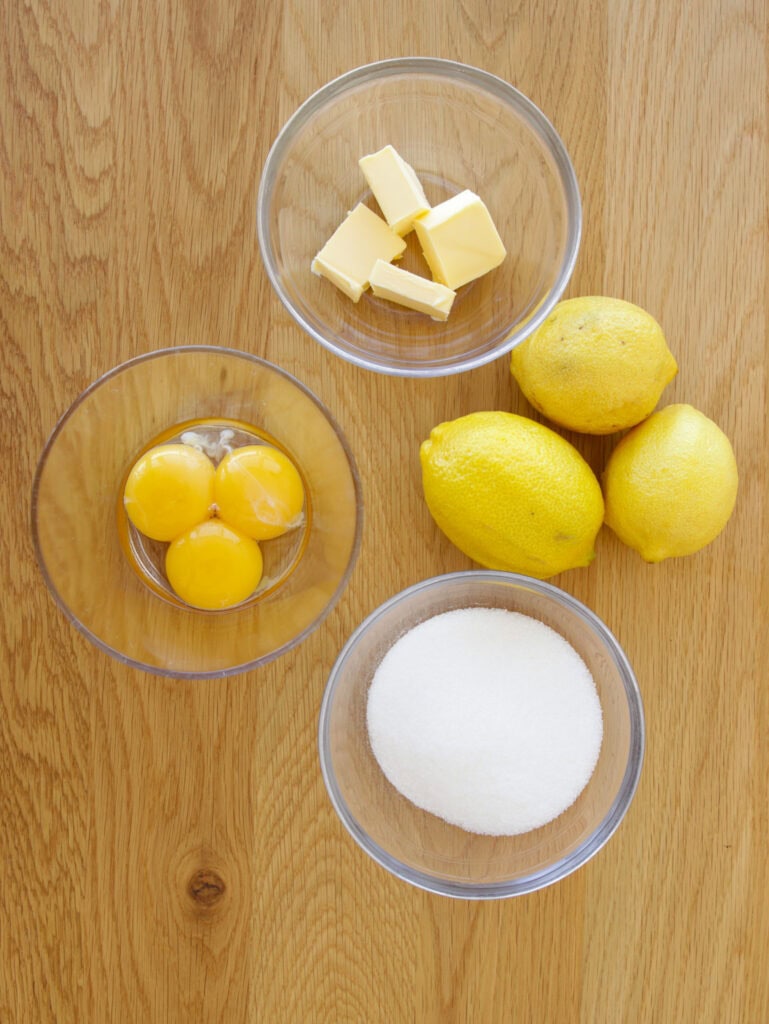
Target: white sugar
{"x":487,"y":718}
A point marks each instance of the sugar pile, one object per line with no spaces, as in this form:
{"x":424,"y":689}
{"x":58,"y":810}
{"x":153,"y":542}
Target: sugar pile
{"x":487,"y":718}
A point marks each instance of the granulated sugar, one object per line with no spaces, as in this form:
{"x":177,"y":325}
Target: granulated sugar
{"x":487,"y":718}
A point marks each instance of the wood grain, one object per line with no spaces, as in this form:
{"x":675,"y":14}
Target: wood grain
{"x":167,"y":850}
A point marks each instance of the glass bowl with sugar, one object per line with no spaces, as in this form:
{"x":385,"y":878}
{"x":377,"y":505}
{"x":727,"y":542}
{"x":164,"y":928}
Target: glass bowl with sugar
{"x":481,"y":735}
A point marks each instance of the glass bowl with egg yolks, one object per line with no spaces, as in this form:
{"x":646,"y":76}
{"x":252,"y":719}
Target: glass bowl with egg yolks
{"x":424,"y":849}
{"x":459,"y":128}
{"x":108,"y":577}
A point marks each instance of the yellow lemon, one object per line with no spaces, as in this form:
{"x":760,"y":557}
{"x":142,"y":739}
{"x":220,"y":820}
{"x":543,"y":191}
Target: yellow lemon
{"x":213,"y":566}
{"x":169,"y":489}
{"x":671,"y":484}
{"x":596,"y":365}
{"x":511,"y":493}
{"x":258,"y":490}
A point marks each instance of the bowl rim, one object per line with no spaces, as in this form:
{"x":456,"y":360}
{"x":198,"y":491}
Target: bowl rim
{"x":105,"y":378}
{"x":490,"y":83}
{"x":565,"y":865}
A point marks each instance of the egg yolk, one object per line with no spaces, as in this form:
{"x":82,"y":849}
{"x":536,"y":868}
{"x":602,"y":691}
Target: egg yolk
{"x":213,"y":565}
{"x":169,"y":489}
{"x":259,"y":491}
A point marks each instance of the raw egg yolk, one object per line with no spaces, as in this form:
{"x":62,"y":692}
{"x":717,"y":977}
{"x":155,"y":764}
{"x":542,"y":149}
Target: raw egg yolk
{"x":169,"y":489}
{"x":258,"y":490}
{"x":213,"y":565}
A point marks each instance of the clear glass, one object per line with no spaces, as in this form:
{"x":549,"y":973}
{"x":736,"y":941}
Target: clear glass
{"x":423,"y":849}
{"x":459,"y":128}
{"x":77,"y":518}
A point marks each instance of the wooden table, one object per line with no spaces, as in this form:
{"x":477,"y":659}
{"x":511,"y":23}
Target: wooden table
{"x":132,"y":138}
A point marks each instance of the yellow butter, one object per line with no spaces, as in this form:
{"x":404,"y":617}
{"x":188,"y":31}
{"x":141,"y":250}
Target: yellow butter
{"x":459,"y":240}
{"x":412,"y":291}
{"x":348,"y":257}
{"x":396,"y":188}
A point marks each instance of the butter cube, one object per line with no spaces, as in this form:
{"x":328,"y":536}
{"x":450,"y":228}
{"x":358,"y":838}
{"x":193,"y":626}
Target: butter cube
{"x":459,"y":240}
{"x":396,"y":188}
{"x":412,"y":291}
{"x":348,"y":257}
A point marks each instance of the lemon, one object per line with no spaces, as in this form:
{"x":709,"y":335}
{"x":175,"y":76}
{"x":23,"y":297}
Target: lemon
{"x":213,"y":566}
{"x":511,"y":493}
{"x":258,"y":490}
{"x":169,"y":489}
{"x":596,"y":365}
{"x":671,"y":484}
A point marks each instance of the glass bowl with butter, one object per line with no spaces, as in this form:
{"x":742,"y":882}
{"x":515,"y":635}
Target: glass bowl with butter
{"x":419,"y":217}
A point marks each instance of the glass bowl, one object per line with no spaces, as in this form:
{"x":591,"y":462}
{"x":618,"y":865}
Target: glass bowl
{"x":421,"y":848}
{"x":101,"y":571}
{"x":460,"y":128}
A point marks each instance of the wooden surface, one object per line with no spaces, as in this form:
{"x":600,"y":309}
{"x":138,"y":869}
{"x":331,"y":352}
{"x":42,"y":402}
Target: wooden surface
{"x":167,"y":850}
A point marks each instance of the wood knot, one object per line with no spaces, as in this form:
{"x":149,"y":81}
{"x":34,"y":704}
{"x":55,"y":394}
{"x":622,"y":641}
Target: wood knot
{"x":206,"y":888}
